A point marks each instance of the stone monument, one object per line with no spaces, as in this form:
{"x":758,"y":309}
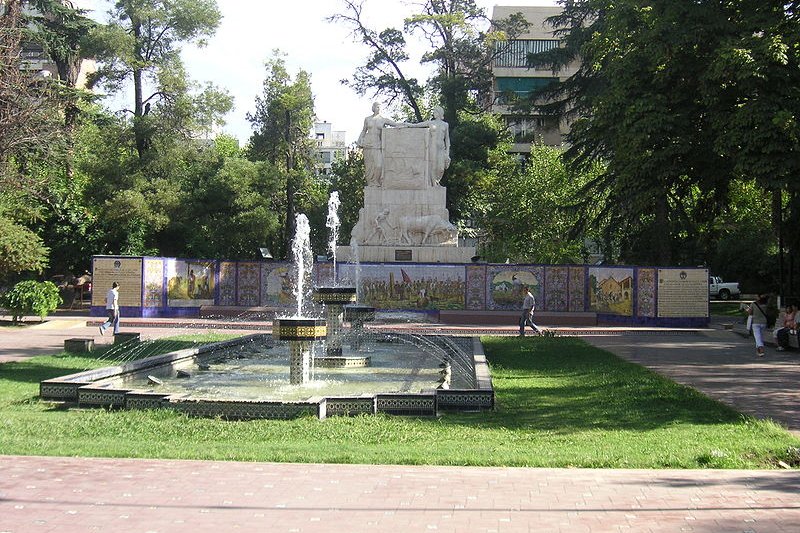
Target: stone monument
{"x":405,"y":217}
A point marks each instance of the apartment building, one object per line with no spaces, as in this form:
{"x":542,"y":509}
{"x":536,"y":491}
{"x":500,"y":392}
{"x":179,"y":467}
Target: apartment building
{"x":513,"y":79}
{"x":34,"y":58}
{"x":330,"y":146}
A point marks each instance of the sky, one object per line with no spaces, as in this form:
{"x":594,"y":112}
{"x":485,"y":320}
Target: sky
{"x":251,"y":29}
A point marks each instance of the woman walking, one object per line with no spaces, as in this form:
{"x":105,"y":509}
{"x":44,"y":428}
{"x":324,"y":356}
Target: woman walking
{"x":758,"y":316}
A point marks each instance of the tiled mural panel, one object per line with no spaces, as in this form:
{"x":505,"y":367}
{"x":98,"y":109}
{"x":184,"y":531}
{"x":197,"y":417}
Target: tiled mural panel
{"x":556,"y":288}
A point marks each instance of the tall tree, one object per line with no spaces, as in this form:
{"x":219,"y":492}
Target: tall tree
{"x":461,"y":43}
{"x":141,"y":43}
{"x":282,"y":120}
{"x":639,"y":100}
{"x":28,"y":128}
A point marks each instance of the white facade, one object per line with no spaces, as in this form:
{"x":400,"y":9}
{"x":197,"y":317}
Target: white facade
{"x":512,"y":77}
{"x":330,"y":146}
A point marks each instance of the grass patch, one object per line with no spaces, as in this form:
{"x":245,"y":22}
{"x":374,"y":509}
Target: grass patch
{"x":561,"y":403}
{"x":732,"y":309}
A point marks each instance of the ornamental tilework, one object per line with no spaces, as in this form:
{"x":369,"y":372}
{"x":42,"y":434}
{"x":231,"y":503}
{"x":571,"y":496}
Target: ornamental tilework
{"x":350,"y":406}
{"x":577,"y":293}
{"x":248,"y":276}
{"x":406,"y":404}
{"x":467,"y":400}
{"x":241,"y":410}
{"x":153,"y":282}
{"x":504,"y":285}
{"x":227,"y":283}
{"x":476,"y":287}
{"x":646,"y":292}
{"x":324,"y":274}
{"x":276,"y":284}
{"x":556,"y":285}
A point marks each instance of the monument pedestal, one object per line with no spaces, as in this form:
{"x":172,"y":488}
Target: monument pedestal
{"x":405,"y":216}
{"x":411,"y":254}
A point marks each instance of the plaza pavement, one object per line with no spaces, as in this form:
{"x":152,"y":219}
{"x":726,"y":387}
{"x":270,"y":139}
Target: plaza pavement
{"x":59,"y":494}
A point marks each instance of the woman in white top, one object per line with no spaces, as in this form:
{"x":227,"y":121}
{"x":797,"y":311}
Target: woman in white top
{"x":758,"y":313}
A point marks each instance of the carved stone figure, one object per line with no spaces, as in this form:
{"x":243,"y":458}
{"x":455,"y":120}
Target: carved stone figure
{"x":370,"y":142}
{"x":418,"y":230}
{"x":440,"y":144}
{"x":382,"y":229}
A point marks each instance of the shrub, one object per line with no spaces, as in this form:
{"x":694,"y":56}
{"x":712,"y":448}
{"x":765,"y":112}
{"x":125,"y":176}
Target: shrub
{"x":31,"y":297}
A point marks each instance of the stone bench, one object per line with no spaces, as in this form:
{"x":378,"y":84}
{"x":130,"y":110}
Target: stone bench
{"x":78,"y":345}
{"x":128,"y":336}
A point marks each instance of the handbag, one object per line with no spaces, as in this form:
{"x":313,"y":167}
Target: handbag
{"x":749,"y":324}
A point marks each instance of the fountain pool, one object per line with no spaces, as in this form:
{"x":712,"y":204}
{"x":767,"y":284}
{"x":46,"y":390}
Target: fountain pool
{"x":248,"y":378}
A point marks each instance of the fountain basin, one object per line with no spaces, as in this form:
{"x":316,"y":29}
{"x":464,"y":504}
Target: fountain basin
{"x":299,"y":329}
{"x":127,"y":386}
{"x":358,"y":313}
{"x":334,"y":295}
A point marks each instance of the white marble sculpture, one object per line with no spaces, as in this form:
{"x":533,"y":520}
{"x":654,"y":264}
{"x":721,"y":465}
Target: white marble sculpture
{"x":371,"y":142}
{"x":439,"y":147}
{"x":405,"y":213}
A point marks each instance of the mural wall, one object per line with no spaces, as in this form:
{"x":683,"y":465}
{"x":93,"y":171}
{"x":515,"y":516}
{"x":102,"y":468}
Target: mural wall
{"x":160,"y":286}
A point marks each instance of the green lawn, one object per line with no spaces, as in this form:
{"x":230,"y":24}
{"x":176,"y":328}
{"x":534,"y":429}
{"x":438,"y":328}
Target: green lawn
{"x":561,"y":403}
{"x":732,"y":309}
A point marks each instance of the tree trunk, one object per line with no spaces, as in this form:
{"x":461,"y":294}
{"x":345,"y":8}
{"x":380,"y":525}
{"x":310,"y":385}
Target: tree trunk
{"x":663,"y":250}
{"x":138,"y":96}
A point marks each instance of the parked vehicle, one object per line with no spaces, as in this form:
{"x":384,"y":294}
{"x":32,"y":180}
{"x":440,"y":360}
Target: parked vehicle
{"x":722,"y":290}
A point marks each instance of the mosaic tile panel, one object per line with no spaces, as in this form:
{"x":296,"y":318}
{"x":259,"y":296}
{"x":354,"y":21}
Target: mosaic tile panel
{"x":276,"y":285}
{"x":248,"y":283}
{"x":240,"y":410}
{"x":577,"y":289}
{"x":145,"y":400}
{"x":342,"y":296}
{"x":350,"y":406}
{"x":556,"y":288}
{"x":153,"y":282}
{"x":341,"y":362}
{"x":504,"y":285}
{"x":646,"y":292}
{"x":227,"y":283}
{"x":406,"y":404}
{"x":59,"y":392}
{"x":464,"y":400}
{"x":476,"y":287}
{"x":88,"y":396}
{"x":611,"y":290}
{"x":290,"y":332}
{"x":324,"y":273}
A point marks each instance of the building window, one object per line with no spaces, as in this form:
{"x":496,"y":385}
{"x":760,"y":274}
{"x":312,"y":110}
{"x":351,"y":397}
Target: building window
{"x":512,"y":89}
{"x":514,"y":53}
{"x":526,"y":129}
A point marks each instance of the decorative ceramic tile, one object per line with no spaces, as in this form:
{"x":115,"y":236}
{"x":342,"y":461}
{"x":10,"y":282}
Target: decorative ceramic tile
{"x":611,"y":290}
{"x":556,"y":288}
{"x":476,"y":287}
{"x":248,"y":283}
{"x":350,"y":406}
{"x":646,"y":290}
{"x":153,"y":282}
{"x":577,"y":289}
{"x":504,"y":285}
{"x":227,"y":283}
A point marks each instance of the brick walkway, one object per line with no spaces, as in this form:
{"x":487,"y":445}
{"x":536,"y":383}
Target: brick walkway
{"x":125,"y":495}
{"x":121,"y":495}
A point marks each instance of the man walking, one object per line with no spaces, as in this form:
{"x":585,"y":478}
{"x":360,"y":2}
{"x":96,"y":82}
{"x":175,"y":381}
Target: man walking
{"x":526,"y":318}
{"x":112,"y":308}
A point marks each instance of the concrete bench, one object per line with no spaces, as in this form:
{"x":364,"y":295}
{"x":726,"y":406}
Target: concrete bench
{"x":78,"y":345}
{"x":128,"y":336}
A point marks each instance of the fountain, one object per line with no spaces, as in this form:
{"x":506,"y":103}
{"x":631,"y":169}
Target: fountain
{"x":334,"y":299}
{"x":300,"y":331}
{"x":246,"y":378}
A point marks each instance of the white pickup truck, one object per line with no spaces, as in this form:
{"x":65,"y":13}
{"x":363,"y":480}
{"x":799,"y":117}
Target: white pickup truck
{"x":719,"y":289}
